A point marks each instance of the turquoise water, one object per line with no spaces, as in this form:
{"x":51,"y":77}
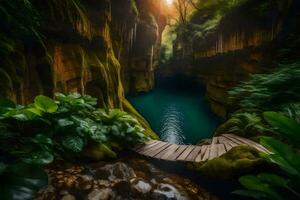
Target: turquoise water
{"x":179,"y":116}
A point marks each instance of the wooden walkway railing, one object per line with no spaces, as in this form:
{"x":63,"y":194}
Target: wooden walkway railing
{"x":193,"y":153}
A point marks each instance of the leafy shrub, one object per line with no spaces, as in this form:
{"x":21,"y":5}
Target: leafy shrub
{"x":62,"y":128}
{"x":284,"y":125}
{"x":208,"y":15}
{"x":292,"y":111}
{"x":287,"y":158}
{"x":49,"y":128}
{"x":245,"y":124}
{"x":269,"y":91}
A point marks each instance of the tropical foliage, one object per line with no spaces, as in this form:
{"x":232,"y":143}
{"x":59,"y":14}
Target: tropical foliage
{"x":245,"y":124}
{"x":68,"y":126}
{"x":271,"y":91}
{"x":286,"y":157}
{"x":63,"y":127}
{"x":208,"y":15}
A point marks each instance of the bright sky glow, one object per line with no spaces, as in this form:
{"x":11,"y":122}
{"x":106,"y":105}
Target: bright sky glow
{"x":169,"y":2}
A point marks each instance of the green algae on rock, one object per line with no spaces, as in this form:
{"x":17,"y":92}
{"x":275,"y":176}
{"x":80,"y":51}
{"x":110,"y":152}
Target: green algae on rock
{"x":239,"y":160}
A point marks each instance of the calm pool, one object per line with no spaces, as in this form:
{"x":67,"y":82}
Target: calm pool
{"x":178,"y":115}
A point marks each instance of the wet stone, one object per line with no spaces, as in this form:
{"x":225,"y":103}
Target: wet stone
{"x":100,"y":194}
{"x":133,"y":179}
{"x":166,"y":191}
{"x":68,"y":197}
{"x":141,"y":186}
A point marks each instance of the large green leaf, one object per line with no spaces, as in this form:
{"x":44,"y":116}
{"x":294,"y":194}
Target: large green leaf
{"x":38,"y":157}
{"x":20,"y":114}
{"x":290,"y":128}
{"x":264,"y":186}
{"x":255,"y":184}
{"x":65,"y":122}
{"x":282,"y":155}
{"x":73,"y":143}
{"x":45,"y":104}
{"x":35,"y":111}
{"x":251,"y":193}
{"x":21,"y":182}
{"x":274,"y":180}
{"x":42,"y":139}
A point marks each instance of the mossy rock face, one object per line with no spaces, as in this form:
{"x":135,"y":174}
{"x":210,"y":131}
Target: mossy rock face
{"x":239,"y":160}
{"x":99,"y":152}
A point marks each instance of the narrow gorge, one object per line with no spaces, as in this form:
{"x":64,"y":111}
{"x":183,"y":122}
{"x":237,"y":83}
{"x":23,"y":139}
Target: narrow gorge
{"x":86,"y":85}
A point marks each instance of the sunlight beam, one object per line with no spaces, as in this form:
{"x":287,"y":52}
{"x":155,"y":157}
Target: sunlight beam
{"x":169,"y":2}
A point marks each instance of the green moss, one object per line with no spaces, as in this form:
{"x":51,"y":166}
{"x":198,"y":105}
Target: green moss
{"x":134,"y":8}
{"x":99,"y":152}
{"x":239,"y":160}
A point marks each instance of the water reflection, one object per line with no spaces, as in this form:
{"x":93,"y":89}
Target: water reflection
{"x":172,"y":125}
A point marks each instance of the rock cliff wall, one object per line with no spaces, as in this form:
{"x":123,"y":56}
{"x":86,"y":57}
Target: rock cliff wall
{"x":138,"y":40}
{"x":241,"y":44}
{"x":91,"y":47}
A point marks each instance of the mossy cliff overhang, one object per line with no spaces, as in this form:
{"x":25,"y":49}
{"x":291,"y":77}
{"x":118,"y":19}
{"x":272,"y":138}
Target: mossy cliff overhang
{"x":137,"y":42}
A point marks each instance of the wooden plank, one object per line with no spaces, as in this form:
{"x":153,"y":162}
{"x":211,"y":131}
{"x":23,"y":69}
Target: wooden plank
{"x":201,"y":153}
{"x":171,"y":150}
{"x":186,"y":152}
{"x":227,"y":146}
{"x":255,"y":144}
{"x":157,"y":151}
{"x":177,"y":152}
{"x":222,"y":140}
{"x":152,"y":148}
{"x":234,"y":140}
{"x":214,"y":140}
{"x":232,"y":144}
{"x":206,"y":154}
{"x":194,"y":154}
{"x":146,"y":146}
{"x":213,"y":151}
{"x":221,"y":149}
{"x":249,"y":142}
{"x":151,"y":142}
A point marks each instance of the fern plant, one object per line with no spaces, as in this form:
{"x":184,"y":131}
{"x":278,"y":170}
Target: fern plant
{"x":269,"y":91}
{"x":269,"y":185}
{"x":245,"y":124}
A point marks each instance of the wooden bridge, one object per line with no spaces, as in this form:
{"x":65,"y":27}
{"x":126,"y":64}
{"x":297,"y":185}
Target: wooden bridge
{"x":193,"y":153}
